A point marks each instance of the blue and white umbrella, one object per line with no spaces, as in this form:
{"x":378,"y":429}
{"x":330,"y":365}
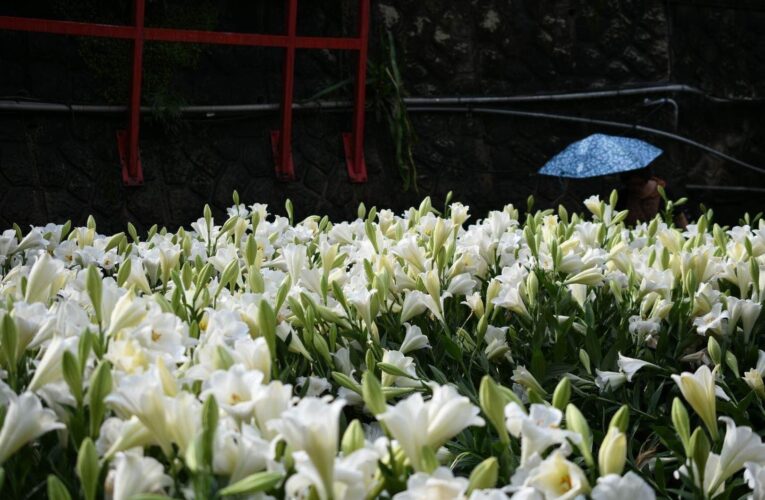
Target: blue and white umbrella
{"x":600,"y":154}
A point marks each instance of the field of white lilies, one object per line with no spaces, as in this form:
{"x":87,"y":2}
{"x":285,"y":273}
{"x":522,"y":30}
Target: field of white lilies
{"x":417,"y":356}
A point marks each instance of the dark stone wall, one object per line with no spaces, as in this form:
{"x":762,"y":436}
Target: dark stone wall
{"x":57,"y":167}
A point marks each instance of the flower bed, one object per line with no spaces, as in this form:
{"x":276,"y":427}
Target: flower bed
{"x":410,"y":356}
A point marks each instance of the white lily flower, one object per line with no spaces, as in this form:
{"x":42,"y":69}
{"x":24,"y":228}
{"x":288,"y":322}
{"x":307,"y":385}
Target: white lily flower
{"x":312,"y":427}
{"x":25,"y":421}
{"x":755,"y":479}
{"x":121,"y":435}
{"x":699,"y":390}
{"x":715,"y":321}
{"x":270,"y":402}
{"x":29,"y":319}
{"x":50,"y":368}
{"x":558,"y":478}
{"x":448,"y":414}
{"x":128,"y":312}
{"x":440,"y":485}
{"x":538,"y":430}
{"x":496,"y":342}
{"x":606,"y":380}
{"x":628,"y":486}
{"x":416,"y":423}
{"x":741,"y":445}
{"x":509,"y":297}
{"x":709,"y":470}
{"x":239,"y":453}
{"x":45,"y":278}
{"x":630,"y":366}
{"x":414,"y":339}
{"x":233,"y":390}
{"x":523,"y":376}
{"x":414,"y":305}
{"x":403,"y":363}
{"x":134,"y":474}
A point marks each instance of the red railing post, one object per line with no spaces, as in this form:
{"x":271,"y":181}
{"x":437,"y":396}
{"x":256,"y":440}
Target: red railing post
{"x":128,"y":141}
{"x":354,"y":142}
{"x":281,"y":141}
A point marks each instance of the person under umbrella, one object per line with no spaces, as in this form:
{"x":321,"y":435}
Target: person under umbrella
{"x":601,"y":154}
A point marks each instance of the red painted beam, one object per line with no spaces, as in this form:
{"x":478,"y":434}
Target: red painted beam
{"x":66,"y":27}
{"x":216,"y":38}
{"x":175,"y":35}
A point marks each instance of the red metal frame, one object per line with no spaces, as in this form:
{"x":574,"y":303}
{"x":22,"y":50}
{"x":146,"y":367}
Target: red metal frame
{"x":281,"y":140}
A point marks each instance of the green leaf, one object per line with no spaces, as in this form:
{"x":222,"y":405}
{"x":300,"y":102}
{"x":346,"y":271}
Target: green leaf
{"x":94,"y":286}
{"x":88,"y":469}
{"x":372,"y":393}
{"x":344,"y":380}
{"x":267,"y":324}
{"x":72,"y":375}
{"x":100,"y":387}
{"x":260,"y":481}
{"x":209,"y":424}
{"x":394,"y":370}
{"x":9,"y":339}
{"x":57,"y":490}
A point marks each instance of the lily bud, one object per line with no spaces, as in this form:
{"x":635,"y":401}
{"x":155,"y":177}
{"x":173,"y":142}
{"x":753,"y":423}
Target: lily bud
{"x":493,"y":404}
{"x":484,"y":475}
{"x":714,"y":351}
{"x":524,"y":377}
{"x":372,"y":393}
{"x":613,"y":452}
{"x":576,"y":422}
{"x":88,"y":469}
{"x":682,"y":424}
{"x":753,"y":379}
{"x":621,"y":419}
{"x":584,"y":358}
{"x":732,"y":362}
{"x":94,"y":287}
{"x":353,"y":439}
{"x":699,"y":448}
{"x":589,"y":277}
{"x":562,"y":394}
{"x":532,"y":288}
{"x":492,"y":290}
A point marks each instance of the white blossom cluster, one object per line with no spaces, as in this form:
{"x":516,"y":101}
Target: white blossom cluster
{"x":411,"y":356}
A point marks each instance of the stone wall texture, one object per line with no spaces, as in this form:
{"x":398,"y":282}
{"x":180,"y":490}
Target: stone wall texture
{"x":55,"y":167}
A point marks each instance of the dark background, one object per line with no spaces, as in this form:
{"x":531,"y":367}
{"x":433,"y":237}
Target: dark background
{"x":55,"y":167}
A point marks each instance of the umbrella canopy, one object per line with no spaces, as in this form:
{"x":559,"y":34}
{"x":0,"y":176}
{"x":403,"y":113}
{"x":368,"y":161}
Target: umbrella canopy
{"x":601,"y":154}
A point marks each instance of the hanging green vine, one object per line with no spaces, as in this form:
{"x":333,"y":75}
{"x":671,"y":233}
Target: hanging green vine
{"x":388,"y":101}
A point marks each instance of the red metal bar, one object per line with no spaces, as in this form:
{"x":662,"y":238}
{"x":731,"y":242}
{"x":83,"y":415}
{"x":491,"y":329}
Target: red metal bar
{"x":128,"y":140}
{"x":132,"y":173}
{"x":282,"y":140}
{"x":174,"y":35}
{"x":354,"y":142}
{"x":65,"y":27}
{"x":250,"y":39}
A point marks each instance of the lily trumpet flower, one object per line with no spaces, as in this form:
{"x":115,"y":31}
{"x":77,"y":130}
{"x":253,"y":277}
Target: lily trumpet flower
{"x":25,"y":421}
{"x":699,"y":389}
